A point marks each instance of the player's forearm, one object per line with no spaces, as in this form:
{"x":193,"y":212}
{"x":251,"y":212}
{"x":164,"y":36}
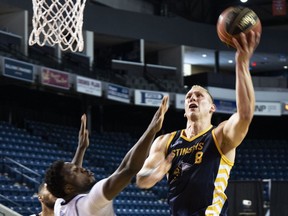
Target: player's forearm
{"x":147,"y":178}
{"x":136,"y":156}
{"x":79,"y":156}
{"x":245,"y":96}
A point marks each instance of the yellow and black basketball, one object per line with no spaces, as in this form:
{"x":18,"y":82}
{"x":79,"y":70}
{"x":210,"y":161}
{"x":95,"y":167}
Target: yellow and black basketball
{"x":235,"y":20}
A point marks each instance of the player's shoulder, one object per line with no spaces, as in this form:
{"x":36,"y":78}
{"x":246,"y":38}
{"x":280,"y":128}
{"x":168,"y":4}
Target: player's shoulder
{"x":165,"y":135}
{"x":220,"y":125}
{"x":164,"y":138}
{"x":218,"y":130}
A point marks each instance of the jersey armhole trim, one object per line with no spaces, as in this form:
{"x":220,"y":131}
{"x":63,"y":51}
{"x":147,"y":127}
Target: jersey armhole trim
{"x":172,"y":135}
{"x":219,"y":150}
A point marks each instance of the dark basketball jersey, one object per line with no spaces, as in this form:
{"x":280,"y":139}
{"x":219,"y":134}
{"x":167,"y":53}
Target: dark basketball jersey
{"x":198,"y":176}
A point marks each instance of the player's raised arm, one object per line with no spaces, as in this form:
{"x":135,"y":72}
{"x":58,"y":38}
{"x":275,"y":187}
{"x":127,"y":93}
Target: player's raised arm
{"x":134,"y":159}
{"x":83,"y":142}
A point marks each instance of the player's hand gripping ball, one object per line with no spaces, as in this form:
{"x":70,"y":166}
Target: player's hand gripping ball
{"x":235,"y":20}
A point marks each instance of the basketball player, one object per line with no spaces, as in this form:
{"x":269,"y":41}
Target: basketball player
{"x":46,"y":199}
{"x":199,"y":158}
{"x":76,"y":188}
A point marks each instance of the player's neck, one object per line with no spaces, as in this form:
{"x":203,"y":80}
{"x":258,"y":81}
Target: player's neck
{"x":47,"y":212}
{"x":194,"y":128}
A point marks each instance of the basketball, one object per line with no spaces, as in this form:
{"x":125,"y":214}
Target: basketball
{"x":235,"y":20}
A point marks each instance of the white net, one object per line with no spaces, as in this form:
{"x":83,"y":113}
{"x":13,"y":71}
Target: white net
{"x":58,"y":22}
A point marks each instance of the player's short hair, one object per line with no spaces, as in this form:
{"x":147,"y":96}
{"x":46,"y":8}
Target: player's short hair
{"x":55,"y":179}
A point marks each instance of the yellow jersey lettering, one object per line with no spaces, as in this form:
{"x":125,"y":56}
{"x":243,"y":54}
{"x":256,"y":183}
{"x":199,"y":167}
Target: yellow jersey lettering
{"x":198,"y":157}
{"x":183,"y":151}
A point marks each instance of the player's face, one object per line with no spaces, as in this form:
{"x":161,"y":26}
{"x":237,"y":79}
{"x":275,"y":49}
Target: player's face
{"x":198,"y":102}
{"x":47,"y":198}
{"x":82,"y":179}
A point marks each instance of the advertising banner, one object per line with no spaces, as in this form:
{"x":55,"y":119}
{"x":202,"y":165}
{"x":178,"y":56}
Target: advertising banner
{"x":88,"y":86}
{"x":229,"y":107}
{"x":118,"y":93}
{"x":268,"y":108}
{"x":149,"y":98}
{"x":18,"y":70}
{"x":55,"y":78}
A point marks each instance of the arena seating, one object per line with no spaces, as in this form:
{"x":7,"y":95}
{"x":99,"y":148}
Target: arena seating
{"x":37,"y":146}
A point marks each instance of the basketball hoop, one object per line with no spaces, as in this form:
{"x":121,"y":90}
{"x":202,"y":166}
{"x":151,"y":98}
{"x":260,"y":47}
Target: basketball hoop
{"x":58,"y":22}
